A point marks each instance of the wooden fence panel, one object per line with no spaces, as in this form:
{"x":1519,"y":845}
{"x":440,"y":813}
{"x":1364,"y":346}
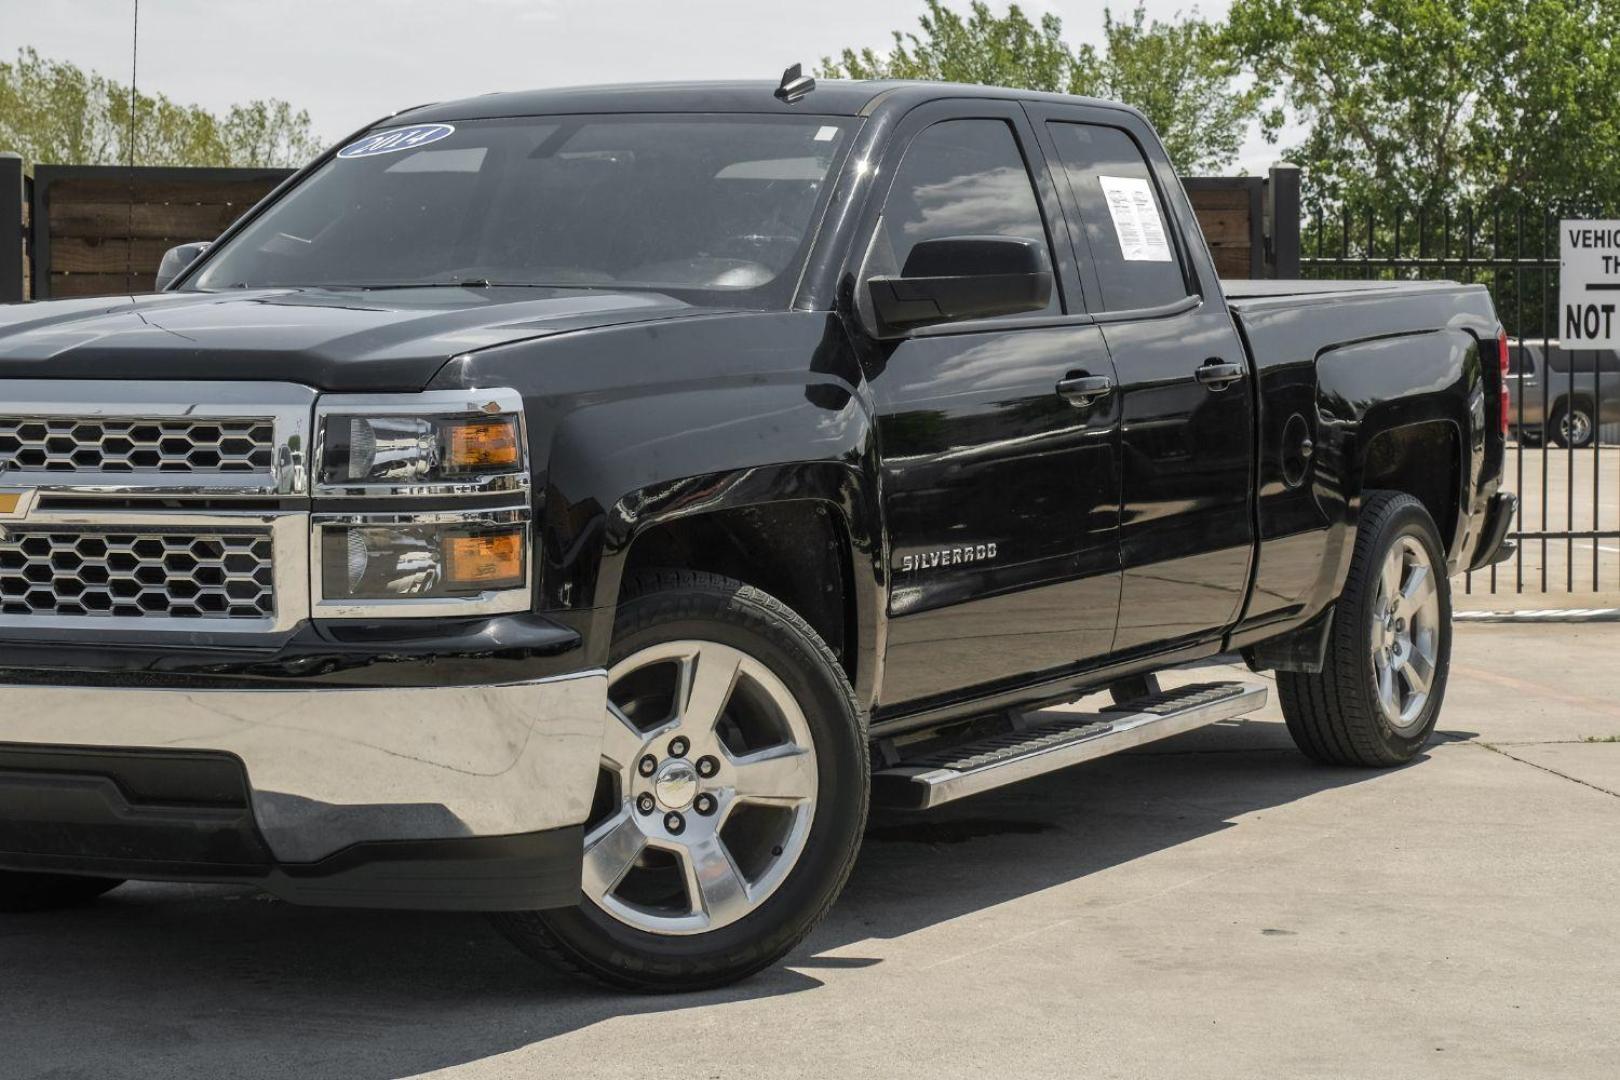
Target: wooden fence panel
{"x":1230,"y":211}
{"x":1250,"y":222}
{"x":102,"y":230}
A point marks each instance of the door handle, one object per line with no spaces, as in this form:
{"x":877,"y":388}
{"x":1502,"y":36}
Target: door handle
{"x":1218,"y":375}
{"x":1081,"y":390}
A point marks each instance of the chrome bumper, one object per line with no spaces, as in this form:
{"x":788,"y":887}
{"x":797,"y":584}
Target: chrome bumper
{"x":330,"y":768}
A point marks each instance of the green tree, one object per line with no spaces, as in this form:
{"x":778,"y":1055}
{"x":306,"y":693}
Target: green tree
{"x":1182,"y":74}
{"x":55,"y":112}
{"x":1184,"y":77}
{"x":982,"y":48}
{"x":1547,"y":122}
{"x":1421,"y":103}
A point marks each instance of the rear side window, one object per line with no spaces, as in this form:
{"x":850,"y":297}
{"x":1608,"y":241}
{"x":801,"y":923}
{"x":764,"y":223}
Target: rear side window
{"x":1123,"y":218}
{"x":1523,"y":359}
{"x":958,"y":178}
{"x":1583,"y":361}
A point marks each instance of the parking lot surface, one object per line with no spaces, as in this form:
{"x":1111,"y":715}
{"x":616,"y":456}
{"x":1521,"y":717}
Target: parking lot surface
{"x":1212,"y":906}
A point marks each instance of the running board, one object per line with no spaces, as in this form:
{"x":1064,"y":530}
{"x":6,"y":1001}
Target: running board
{"x":969,"y":768}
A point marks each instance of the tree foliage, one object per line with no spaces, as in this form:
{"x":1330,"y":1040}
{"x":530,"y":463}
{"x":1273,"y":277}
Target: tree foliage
{"x":1181,"y":73}
{"x":1422,"y":103}
{"x":1184,"y":78}
{"x":982,"y":48}
{"x":56,"y":113}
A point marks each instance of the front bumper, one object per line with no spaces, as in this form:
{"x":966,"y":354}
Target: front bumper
{"x":333,"y":782}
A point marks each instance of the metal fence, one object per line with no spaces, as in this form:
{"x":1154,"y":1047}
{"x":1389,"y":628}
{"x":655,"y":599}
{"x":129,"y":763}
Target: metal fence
{"x":1568,"y":527}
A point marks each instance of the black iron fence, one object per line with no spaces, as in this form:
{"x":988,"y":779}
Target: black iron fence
{"x":1563,"y":458}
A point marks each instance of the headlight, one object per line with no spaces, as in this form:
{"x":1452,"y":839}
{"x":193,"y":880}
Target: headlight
{"x":372,"y":565}
{"x":436,"y":443}
{"x":423,"y":453}
{"x":383,"y":562}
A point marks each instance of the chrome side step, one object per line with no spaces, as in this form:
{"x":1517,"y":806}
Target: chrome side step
{"x":967,"y":769}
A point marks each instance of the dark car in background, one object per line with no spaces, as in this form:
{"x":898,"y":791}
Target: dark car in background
{"x":1560,"y":394}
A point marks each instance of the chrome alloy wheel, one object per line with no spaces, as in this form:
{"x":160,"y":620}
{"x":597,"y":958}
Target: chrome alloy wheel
{"x":1405,"y":634}
{"x":1576,"y":427}
{"x":707,"y":789}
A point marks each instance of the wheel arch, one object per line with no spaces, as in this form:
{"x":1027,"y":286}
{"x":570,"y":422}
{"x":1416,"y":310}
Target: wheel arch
{"x":1390,"y":409}
{"x":806,"y":532}
{"x":798,"y":550}
{"x":1404,"y":459}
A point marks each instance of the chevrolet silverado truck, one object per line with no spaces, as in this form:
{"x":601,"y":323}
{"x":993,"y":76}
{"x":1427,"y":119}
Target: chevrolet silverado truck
{"x":581,"y":505}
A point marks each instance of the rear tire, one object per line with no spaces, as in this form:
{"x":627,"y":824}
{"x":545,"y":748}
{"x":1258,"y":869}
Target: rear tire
{"x":1377,"y":697}
{"x":1573,"y":426}
{"x":47,"y":892}
{"x":764,"y":770}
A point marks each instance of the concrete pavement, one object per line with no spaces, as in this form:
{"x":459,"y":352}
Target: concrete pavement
{"x":1212,"y":906}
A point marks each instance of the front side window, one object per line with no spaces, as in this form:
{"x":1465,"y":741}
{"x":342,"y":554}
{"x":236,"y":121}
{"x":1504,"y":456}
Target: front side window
{"x":717,"y":206}
{"x":958,"y":178}
{"x":1124,"y":220}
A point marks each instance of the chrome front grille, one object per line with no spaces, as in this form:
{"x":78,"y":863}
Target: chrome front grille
{"x":66,"y":444}
{"x":146,"y":573}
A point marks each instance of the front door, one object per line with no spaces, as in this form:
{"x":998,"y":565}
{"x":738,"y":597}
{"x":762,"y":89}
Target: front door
{"x":1187,"y":427}
{"x":1000,"y":485}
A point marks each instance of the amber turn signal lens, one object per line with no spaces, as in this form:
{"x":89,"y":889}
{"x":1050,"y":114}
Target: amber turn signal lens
{"x":490,"y":560}
{"x":482,"y":444}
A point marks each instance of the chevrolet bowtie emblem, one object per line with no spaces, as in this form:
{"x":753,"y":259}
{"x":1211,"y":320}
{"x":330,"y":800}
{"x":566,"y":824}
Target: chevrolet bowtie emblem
{"x":15,"y":504}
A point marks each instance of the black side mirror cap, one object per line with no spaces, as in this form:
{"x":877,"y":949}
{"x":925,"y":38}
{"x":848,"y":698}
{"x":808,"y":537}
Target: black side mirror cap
{"x":962,"y":277}
{"x":175,"y":261}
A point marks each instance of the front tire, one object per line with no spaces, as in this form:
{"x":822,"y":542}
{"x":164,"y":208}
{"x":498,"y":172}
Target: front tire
{"x":732,"y":796}
{"x":48,"y":892}
{"x":1377,"y":697}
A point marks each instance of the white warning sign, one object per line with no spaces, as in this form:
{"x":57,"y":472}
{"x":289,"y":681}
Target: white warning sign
{"x":1589,"y":284}
{"x":1137,"y":223}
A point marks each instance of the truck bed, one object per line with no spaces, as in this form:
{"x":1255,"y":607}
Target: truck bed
{"x":1247,"y":293}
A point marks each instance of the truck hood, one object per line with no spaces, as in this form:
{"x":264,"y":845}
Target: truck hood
{"x":340,"y":340}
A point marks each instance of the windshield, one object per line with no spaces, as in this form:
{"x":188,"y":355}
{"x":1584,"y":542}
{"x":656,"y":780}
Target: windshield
{"x":721,"y":206}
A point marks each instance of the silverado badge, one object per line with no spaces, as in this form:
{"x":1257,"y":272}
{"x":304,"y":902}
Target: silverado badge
{"x":951,"y":556}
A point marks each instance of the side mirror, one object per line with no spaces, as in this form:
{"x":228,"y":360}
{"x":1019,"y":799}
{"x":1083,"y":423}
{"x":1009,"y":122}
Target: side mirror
{"x":963,"y":277}
{"x":175,"y":261}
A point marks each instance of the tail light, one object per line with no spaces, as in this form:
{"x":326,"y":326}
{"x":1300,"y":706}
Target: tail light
{"x":1502,"y":357}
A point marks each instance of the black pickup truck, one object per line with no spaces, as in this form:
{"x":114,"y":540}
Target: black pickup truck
{"x":580,"y":505}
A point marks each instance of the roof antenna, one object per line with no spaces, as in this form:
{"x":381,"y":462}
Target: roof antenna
{"x":795,"y":84}
{"x":129,"y":230}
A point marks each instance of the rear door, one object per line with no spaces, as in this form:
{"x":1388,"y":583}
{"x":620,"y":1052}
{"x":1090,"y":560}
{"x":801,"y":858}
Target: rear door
{"x":1187,"y":428}
{"x":1000,"y":487}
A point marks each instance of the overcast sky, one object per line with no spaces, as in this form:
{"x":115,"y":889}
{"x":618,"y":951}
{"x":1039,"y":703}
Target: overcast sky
{"x":351,"y":61}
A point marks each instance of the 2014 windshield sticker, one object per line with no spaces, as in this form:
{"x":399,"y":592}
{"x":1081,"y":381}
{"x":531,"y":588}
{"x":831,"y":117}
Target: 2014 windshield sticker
{"x":396,"y":139}
{"x":1136,"y":219}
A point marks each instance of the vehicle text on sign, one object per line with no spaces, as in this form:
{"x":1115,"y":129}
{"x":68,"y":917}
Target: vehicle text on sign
{"x":1589,"y":283}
